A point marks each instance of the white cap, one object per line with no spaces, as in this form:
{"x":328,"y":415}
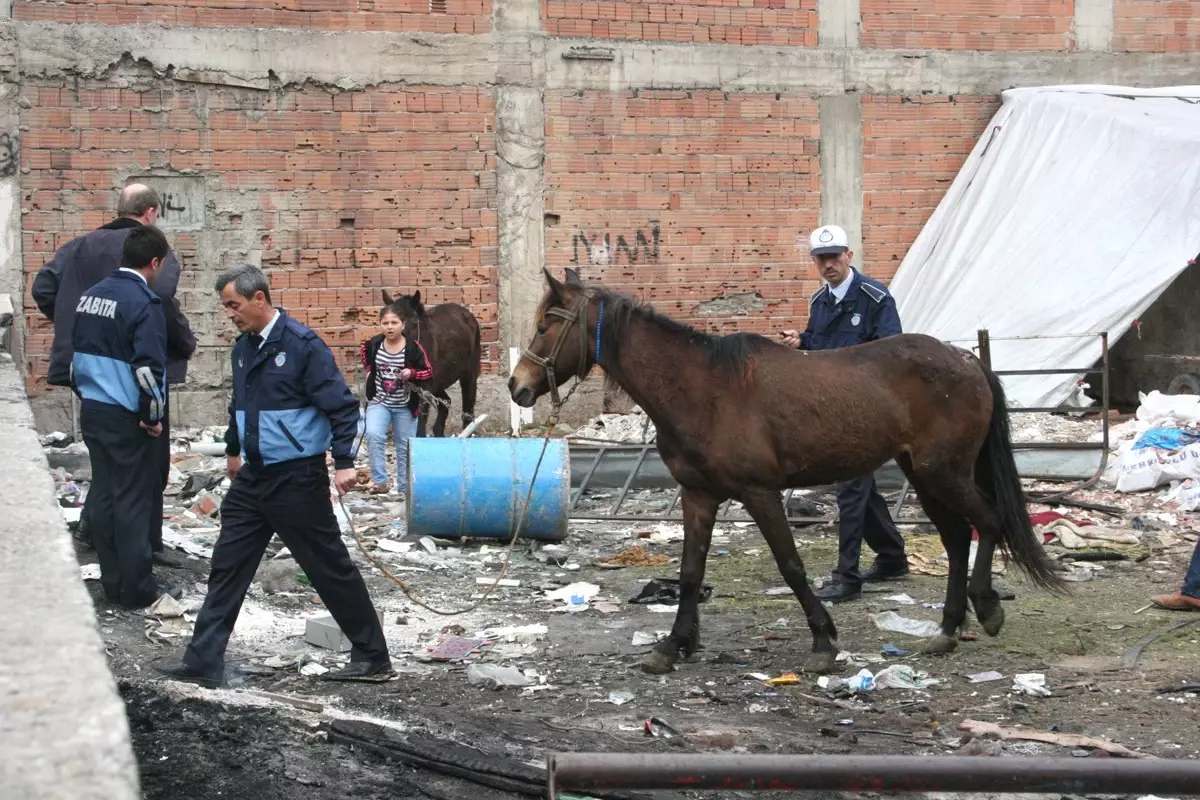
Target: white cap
{"x":828,"y":239}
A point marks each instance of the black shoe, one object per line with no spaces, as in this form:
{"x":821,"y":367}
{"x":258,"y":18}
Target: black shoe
{"x":838,"y":592}
{"x":167,"y":559}
{"x":881,"y":572}
{"x":182,"y":672}
{"x":370,"y":671}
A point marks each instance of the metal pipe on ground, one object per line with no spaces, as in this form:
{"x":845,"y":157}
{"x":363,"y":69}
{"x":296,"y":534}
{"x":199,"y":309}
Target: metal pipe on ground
{"x":1077,"y":776}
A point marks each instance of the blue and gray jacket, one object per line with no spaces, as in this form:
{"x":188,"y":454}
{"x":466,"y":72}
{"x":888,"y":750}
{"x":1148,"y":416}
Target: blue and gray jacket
{"x":867,"y":312}
{"x":120,"y":347}
{"x":290,"y":401}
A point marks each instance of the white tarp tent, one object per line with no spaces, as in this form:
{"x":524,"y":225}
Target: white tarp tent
{"x":1077,"y":208}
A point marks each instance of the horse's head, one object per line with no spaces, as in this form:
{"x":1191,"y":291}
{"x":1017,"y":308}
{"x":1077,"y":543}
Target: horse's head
{"x":560,"y":346}
{"x":407,"y":307}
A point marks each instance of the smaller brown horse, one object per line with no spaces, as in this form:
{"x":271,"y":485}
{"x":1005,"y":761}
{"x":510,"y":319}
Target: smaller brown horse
{"x":744,"y":417}
{"x":451,"y":337}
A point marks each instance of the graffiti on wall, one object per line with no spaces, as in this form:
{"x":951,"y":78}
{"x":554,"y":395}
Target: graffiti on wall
{"x":602,"y":248}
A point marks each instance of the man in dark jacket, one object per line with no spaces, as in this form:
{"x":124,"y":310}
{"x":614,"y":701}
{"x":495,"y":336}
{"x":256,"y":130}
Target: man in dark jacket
{"x":290,"y":406}
{"x":119,"y":364}
{"x":82,"y":263}
{"x":851,"y":309}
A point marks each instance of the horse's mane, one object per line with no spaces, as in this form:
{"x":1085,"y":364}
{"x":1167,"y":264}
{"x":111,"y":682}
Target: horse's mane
{"x":733,"y":354}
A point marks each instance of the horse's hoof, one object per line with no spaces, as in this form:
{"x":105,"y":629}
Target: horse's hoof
{"x":821,"y":663}
{"x":656,"y":663}
{"x":940,"y":644}
{"x":994,"y":621}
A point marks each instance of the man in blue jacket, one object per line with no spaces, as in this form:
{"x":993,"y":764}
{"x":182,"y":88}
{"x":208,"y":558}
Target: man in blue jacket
{"x":290,"y":406}
{"x":851,"y":309}
{"x":118,"y":369}
{"x":82,"y":263}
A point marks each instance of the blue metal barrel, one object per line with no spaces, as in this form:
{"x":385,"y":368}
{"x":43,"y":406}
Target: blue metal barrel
{"x":477,"y":486}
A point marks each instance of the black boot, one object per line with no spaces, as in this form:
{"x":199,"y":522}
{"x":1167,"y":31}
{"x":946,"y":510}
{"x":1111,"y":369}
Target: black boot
{"x":182,"y":672}
{"x":838,"y":592}
{"x":370,"y":671}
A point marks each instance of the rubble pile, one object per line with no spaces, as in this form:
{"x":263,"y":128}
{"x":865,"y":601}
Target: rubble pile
{"x":633,"y":427}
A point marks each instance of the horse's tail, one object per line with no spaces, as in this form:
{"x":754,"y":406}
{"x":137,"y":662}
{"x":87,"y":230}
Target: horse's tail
{"x":477,"y":351}
{"x":996,"y":476}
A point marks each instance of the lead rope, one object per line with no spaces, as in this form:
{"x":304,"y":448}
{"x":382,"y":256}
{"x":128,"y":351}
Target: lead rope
{"x":551,"y":424}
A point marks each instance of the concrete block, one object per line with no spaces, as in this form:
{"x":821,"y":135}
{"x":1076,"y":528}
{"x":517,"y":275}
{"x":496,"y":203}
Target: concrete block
{"x":324,"y":632}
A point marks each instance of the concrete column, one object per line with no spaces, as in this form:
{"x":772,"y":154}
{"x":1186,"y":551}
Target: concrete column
{"x":1093,"y":25}
{"x":520,"y":169}
{"x":841,"y":167}
{"x":12,"y":281}
{"x":838,"y":23}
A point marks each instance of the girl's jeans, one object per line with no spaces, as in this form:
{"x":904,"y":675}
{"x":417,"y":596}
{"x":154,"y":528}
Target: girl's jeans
{"x":1191,"y":584}
{"x":403,"y":426}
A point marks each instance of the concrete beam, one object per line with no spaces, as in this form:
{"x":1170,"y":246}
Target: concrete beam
{"x":250,"y":56}
{"x":662,"y":65}
{"x":1093,"y":25}
{"x":841,"y":166}
{"x":839,"y":23}
{"x":63,"y":731}
{"x":355,"y":60}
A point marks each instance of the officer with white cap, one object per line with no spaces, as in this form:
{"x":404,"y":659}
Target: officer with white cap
{"x":851,"y":309}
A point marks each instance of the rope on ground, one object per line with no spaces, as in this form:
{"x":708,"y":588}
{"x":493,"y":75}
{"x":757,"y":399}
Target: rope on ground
{"x":551,"y":423}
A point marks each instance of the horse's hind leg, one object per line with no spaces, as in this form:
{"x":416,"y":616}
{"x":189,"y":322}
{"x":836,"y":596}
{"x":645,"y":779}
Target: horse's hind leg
{"x":468,"y":383}
{"x":960,"y":493}
{"x":422,"y":419}
{"x":443,"y":411}
{"x":699,"y":514}
{"x":766,"y":508}
{"x":955,"y":532}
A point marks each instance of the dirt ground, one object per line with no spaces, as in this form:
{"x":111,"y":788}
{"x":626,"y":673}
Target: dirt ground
{"x":231,"y":742}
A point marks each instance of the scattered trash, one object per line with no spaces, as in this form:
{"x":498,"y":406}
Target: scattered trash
{"x":979,"y":747}
{"x":166,"y":606}
{"x":525,"y":634}
{"x":1062,"y":739}
{"x":665,"y":591}
{"x":509,"y":582}
{"x":456,"y":648}
{"x":659,"y":729}
{"x":90,"y":572}
{"x":786,"y":679}
{"x":313,"y":669}
{"x":635,"y":556}
{"x":902,"y":599}
{"x":575,"y":593}
{"x":985,"y":677}
{"x":1030,"y":683}
{"x":902,"y":676}
{"x":642,"y":638}
{"x":893,"y":622}
{"x":890,"y":650}
{"x":496,"y":676}
{"x":620,"y":698}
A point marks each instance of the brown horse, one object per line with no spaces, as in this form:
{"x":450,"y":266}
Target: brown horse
{"x":744,"y":417}
{"x":450,"y":335}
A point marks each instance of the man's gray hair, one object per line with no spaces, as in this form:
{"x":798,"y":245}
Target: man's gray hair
{"x":246,"y":279}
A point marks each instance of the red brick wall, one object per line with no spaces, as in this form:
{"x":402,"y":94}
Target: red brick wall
{"x":432,"y":16}
{"x":1156,"y":26}
{"x":353,"y":192}
{"x":912,"y":149}
{"x":778,"y":22}
{"x":727,"y":180}
{"x":967,"y":24}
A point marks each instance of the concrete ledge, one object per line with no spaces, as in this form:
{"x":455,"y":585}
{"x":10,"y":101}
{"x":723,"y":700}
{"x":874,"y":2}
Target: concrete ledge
{"x":63,"y":730}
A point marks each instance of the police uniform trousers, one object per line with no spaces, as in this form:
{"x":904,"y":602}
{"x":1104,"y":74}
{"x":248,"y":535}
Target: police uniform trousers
{"x":291,"y":499}
{"x":164,"y":467}
{"x":863,"y":516}
{"x":156,"y":517}
{"x":125,"y":484}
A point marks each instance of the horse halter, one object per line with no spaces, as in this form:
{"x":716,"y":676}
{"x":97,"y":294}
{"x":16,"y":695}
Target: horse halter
{"x":577,"y":314}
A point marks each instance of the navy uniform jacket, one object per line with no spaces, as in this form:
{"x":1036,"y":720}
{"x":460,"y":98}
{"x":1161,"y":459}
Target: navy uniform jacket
{"x":289,"y":399}
{"x":866,"y":313}
{"x":120,"y":343}
{"x":82,"y":263}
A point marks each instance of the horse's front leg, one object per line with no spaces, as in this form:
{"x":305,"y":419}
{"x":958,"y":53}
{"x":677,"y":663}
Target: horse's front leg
{"x":699,"y":514}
